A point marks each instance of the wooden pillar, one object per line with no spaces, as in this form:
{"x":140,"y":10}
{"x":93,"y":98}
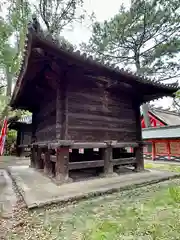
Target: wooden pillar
{"x":58,"y":113}
{"x":47,"y":163}
{"x":33,"y":157}
{"x":62,"y":165}
{"x":62,"y":151}
{"x":39,"y":161}
{"x":168,"y":150}
{"x":107,"y":156}
{"x":62,"y":108}
{"x":153,"y":151}
{"x":139,"y":166}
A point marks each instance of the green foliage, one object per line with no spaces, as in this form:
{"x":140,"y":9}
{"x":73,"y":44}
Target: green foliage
{"x":174,"y":192}
{"x":10,"y":55}
{"x":19,"y":16}
{"x":10,"y":140}
{"x":146,"y":36}
{"x":58,"y":14}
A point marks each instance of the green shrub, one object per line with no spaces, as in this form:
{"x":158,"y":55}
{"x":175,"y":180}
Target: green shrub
{"x":10,"y":139}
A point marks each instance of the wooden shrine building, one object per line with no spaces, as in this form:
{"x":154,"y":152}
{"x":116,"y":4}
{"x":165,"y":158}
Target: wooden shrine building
{"x":80,"y":103}
{"x":163,"y":135}
{"x":160,"y":117}
{"x":23,"y":127}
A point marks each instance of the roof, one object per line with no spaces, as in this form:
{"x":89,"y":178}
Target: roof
{"x":166,"y":116}
{"x":37,"y":39}
{"x":26,"y":119}
{"x":161,"y":132}
{"x":16,"y":122}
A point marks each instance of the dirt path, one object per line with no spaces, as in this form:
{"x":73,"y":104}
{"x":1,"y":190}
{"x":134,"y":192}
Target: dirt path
{"x":6,"y":161}
{"x":11,"y":203}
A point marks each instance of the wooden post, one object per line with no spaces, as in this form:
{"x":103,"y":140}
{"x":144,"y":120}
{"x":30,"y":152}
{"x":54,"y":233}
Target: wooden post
{"x":108,"y":165}
{"x":169,"y":150}
{"x":33,"y":157}
{"x":139,"y":166}
{"x":64,"y":107}
{"x":58,"y":113}
{"x":62,"y":165}
{"x":153,"y":151}
{"x":107,"y":157}
{"x":39,"y":162}
{"x":47,"y":163}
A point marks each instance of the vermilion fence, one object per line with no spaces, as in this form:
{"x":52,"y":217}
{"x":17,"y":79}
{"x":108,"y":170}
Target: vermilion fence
{"x":163,"y":149}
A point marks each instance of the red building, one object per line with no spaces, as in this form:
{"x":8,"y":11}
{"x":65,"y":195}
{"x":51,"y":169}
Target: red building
{"x":163,"y":135}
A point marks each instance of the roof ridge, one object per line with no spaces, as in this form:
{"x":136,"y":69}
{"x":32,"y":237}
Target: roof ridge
{"x":34,"y":27}
{"x":168,"y":111}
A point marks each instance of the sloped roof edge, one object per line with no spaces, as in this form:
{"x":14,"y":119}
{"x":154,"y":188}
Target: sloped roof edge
{"x":33,"y":34}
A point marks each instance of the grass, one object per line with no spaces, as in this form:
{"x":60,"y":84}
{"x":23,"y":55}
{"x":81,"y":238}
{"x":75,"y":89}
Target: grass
{"x":147,"y":213}
{"x":166,"y":166}
{"x":151,"y":212}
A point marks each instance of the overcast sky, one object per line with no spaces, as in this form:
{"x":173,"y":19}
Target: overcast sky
{"x":103,"y":11}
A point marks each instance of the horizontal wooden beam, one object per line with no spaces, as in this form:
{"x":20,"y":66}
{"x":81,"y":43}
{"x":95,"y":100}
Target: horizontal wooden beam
{"x":86,"y":164}
{"x":88,"y":145}
{"x":24,"y":146}
{"x":77,"y":145}
{"x":124,"y":144}
{"x":96,"y":163}
{"x":123,"y":161}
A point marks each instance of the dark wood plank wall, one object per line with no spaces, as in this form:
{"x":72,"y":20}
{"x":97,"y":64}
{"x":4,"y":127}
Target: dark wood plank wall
{"x":26,"y":135}
{"x":45,"y":118}
{"x":95,"y":114}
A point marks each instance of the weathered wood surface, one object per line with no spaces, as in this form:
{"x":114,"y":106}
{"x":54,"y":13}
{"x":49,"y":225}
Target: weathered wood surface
{"x":95,"y":163}
{"x":123,"y":161}
{"x":85,"y":164}
{"x":24,"y":134}
{"x":86,"y":145}
{"x":95,"y":114}
{"x":45,"y":119}
{"x":62,"y":164}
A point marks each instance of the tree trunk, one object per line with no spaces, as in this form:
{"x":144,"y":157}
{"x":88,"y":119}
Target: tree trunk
{"x":145,"y":107}
{"x":9,"y":83}
{"x":145,"y":110}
